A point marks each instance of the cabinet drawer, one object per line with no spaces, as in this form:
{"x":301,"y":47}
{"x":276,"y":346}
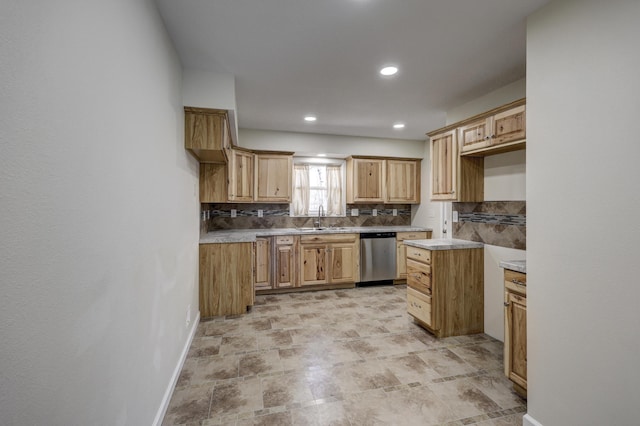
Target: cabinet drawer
{"x":419,"y":305}
{"x":515,"y":281}
{"x":419,"y":276}
{"x":421,"y":255}
{"x":420,"y":235}
{"x":285,"y":239}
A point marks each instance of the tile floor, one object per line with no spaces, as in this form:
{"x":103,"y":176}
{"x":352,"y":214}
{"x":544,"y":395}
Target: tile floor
{"x":339,"y":357}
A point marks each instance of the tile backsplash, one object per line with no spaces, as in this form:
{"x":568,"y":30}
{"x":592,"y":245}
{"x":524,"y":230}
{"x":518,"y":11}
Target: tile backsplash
{"x":499,"y":223}
{"x":218,"y":216}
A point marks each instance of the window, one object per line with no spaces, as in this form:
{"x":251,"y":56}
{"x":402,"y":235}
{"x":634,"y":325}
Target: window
{"x":315,"y":185}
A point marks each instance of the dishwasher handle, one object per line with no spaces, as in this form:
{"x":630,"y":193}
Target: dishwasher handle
{"x":378,"y":235}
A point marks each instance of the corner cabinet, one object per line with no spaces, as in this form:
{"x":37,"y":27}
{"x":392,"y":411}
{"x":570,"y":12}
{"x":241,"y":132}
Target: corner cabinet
{"x":226,"y":283}
{"x":445,"y":290}
{"x":206,"y":134}
{"x":273,"y":178}
{"x":329,"y":259}
{"x":515,"y":329}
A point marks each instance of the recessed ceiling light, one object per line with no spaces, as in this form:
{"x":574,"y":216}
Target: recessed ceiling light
{"x":398,"y":126}
{"x":310,"y":118}
{"x":389,"y":70}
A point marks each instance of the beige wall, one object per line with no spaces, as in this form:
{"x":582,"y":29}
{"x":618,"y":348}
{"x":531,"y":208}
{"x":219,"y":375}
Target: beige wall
{"x":583,"y":204}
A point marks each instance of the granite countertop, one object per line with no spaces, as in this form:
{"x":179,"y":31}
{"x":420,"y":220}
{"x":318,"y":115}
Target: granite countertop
{"x":249,"y":235}
{"x":515,"y":265}
{"x":444,"y":244}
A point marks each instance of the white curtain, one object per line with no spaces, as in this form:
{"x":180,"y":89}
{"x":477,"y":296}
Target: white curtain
{"x":300,"y":199}
{"x":334,"y":191}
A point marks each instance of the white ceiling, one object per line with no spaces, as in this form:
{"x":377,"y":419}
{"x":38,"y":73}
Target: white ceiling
{"x":296,"y":57}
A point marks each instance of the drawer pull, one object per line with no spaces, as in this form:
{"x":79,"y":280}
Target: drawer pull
{"x":515,"y":281}
{"x":506,"y":304}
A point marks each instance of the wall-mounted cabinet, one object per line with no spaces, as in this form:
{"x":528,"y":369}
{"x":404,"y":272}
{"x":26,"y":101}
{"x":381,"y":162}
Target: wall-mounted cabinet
{"x":457,"y":151}
{"x":454,"y":178}
{"x":206,"y":134}
{"x":383,"y":180}
{"x":241,"y":171}
{"x":214,"y":183}
{"x":273,"y":178}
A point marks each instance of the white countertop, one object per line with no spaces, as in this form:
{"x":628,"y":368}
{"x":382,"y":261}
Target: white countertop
{"x":249,"y":235}
{"x":444,"y":244}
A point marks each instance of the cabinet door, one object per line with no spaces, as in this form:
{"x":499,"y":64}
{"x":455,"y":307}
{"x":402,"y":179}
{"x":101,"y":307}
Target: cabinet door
{"x":444,"y":155}
{"x":509,"y":126}
{"x":226,"y":278}
{"x":515,"y":344}
{"x":262,"y":264}
{"x":241,"y":176}
{"x":273,"y":178}
{"x":313,"y":264}
{"x":343,"y":263}
{"x":213,"y":183}
{"x":285,"y":266}
{"x":401,"y":261}
{"x":403,"y":181}
{"x":475,"y":135}
{"x":368,"y":178}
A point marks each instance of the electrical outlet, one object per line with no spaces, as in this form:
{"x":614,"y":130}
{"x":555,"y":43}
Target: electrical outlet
{"x":354,"y":212}
{"x":374,"y":212}
{"x":234,"y":213}
{"x":188,"y":315}
{"x":455,"y":217}
{"x":395,"y":212}
{"x":260,"y":213}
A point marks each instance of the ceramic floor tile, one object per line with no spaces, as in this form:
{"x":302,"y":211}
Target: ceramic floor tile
{"x":339,"y":357}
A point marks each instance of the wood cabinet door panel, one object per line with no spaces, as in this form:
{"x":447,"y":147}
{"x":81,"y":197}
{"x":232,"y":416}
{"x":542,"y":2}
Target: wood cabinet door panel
{"x":419,"y":276}
{"x":516,"y":338}
{"x":403,"y":181}
{"x":285,"y":266}
{"x":241,"y":176}
{"x":509,"y":126}
{"x":444,"y":159}
{"x":343,"y":263}
{"x":273,"y":178}
{"x":475,"y":135}
{"x":419,"y":305}
{"x":313,"y":264}
{"x":368,"y":180}
{"x":262,"y":264}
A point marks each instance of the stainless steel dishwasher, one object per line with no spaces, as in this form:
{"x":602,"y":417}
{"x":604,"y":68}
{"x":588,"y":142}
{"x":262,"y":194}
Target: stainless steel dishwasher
{"x":377,"y":256}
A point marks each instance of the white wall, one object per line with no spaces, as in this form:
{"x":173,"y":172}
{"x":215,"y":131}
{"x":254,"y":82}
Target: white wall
{"x":337,"y":145}
{"x":207,"y":89}
{"x":98,"y":214}
{"x":583,"y":204}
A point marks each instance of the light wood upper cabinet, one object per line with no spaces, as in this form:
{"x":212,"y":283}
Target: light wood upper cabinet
{"x":206,"y":134}
{"x":515,"y":329}
{"x":241,"y":176}
{"x":486,"y":134}
{"x":383,"y":180}
{"x":403,"y":181}
{"x":213,"y":183}
{"x":329,"y":259}
{"x":273,"y":178}
{"x":226,"y":278}
{"x":365,"y":180}
{"x":454,"y":178}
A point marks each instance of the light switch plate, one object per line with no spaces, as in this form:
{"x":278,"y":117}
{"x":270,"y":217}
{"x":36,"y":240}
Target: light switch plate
{"x":234,"y":213}
{"x":374,"y":212}
{"x":395,"y":212}
{"x":354,"y":212}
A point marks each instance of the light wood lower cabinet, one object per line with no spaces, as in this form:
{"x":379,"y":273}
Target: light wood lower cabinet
{"x":515,"y":329}
{"x":285,"y":256}
{"x":401,"y":251}
{"x":226,"y":278}
{"x":329,"y":259}
{"x":262,"y":260}
{"x":445,"y":290}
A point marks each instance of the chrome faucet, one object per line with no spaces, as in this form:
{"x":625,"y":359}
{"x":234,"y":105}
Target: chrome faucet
{"x":317,"y":223}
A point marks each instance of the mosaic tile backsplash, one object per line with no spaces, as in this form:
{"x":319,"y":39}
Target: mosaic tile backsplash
{"x":499,"y":223}
{"x":215,"y":217}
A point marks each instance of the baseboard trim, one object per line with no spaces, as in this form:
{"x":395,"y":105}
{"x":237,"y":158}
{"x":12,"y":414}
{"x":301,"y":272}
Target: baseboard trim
{"x":176,"y":373}
{"x":527,"y":420}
